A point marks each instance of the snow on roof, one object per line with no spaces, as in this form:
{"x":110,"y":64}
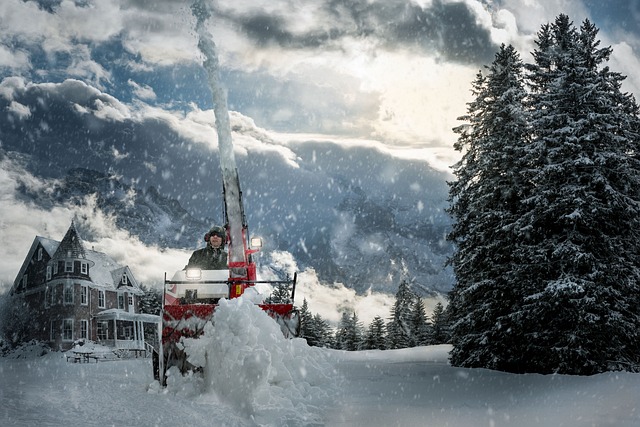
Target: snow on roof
{"x":49,"y":245}
{"x":118,"y":314}
{"x":106,"y":272}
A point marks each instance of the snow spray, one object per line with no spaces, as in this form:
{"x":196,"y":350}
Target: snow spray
{"x":201,"y":10}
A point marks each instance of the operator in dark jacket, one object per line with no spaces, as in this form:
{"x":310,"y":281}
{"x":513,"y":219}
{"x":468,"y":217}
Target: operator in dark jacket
{"x":213,"y":256}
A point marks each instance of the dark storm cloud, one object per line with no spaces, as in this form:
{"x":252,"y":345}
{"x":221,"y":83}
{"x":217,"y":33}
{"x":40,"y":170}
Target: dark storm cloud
{"x":446,"y":29}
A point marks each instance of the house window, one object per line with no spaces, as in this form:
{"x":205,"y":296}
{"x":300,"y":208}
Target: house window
{"x":103,"y":327}
{"x":48,"y":272}
{"x":40,"y":254}
{"x":84,"y":329}
{"x":68,"y":293}
{"x":121,"y":301}
{"x":24,"y":281}
{"x":124,"y":279}
{"x":55,"y":268}
{"x":84,"y":295}
{"x":67,"y":330}
{"x":101,"y":299}
{"x":84,"y":268}
{"x":47,"y":297}
{"x":53,"y":329}
{"x":53,"y":295}
{"x":130,"y":301}
{"x":68,"y":266}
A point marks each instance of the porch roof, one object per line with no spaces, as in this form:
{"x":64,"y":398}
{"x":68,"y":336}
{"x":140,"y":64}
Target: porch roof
{"x":117,"y":314}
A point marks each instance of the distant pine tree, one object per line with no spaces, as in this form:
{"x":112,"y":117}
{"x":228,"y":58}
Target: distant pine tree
{"x":349,"y":335}
{"x":399,"y":333}
{"x":376,"y":338}
{"x":151,"y":301}
{"x":420,"y":327}
{"x":323,"y":332}
{"x":440,"y":333}
{"x":306,"y":323}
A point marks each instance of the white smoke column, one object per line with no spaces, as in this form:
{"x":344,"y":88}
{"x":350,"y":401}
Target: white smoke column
{"x":201,"y":10}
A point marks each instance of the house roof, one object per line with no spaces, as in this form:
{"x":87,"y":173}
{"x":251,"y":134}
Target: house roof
{"x":104,"y":271}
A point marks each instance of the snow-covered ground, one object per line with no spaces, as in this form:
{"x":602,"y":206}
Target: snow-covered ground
{"x":253,"y":376}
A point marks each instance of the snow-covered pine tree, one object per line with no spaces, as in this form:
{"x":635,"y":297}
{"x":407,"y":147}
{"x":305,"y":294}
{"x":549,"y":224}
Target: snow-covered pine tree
{"x":440,"y":333}
{"x":323,"y":332}
{"x":151,"y":301}
{"x":399,"y":326}
{"x":349,"y":335}
{"x":579,"y":257}
{"x":420,"y":327}
{"x":485,"y":203}
{"x":281,"y":295}
{"x":376,"y":338}
{"x":16,"y":320}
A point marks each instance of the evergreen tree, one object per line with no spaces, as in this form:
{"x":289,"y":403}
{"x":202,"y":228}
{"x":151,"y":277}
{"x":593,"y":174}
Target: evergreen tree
{"x":580,"y":255}
{"x":485,"y":202}
{"x":349,"y":333}
{"x":281,"y":295}
{"x":440,"y":326}
{"x":323,"y":332}
{"x":16,"y":321}
{"x":376,"y":335}
{"x":420,"y":327}
{"x":547,"y":214}
{"x":151,"y":301}
{"x":306,"y":324}
{"x":399,"y":327}
{"x":313,"y":328}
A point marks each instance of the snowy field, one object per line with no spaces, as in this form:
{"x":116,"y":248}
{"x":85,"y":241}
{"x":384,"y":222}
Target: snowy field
{"x":253,"y":376}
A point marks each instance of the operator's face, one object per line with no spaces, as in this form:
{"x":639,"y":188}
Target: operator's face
{"x":215,"y":241}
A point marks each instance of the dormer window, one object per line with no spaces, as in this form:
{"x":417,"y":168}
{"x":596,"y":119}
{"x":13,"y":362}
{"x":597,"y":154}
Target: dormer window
{"x":40,"y":254}
{"x":124,"y":279}
{"x":48,"y":272}
{"x":68,"y":266}
{"x":84,"y":268}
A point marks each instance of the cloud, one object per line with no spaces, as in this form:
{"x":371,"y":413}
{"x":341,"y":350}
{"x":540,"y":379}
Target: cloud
{"x":144,"y":92}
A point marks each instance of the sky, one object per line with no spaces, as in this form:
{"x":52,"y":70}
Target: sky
{"x":253,"y":376}
{"x":398,"y":72}
{"x":393,"y":75}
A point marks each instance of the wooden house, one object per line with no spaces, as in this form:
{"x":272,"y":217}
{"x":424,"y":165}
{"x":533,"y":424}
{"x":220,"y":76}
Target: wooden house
{"x":74,"y":293}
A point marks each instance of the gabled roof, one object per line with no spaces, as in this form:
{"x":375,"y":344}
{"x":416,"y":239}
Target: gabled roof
{"x":49,"y":245}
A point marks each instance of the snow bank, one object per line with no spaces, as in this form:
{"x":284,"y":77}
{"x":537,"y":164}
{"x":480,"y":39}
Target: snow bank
{"x":250,"y":365}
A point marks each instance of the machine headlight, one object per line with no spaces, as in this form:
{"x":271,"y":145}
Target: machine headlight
{"x":256,"y":242}
{"x":193,"y":274}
